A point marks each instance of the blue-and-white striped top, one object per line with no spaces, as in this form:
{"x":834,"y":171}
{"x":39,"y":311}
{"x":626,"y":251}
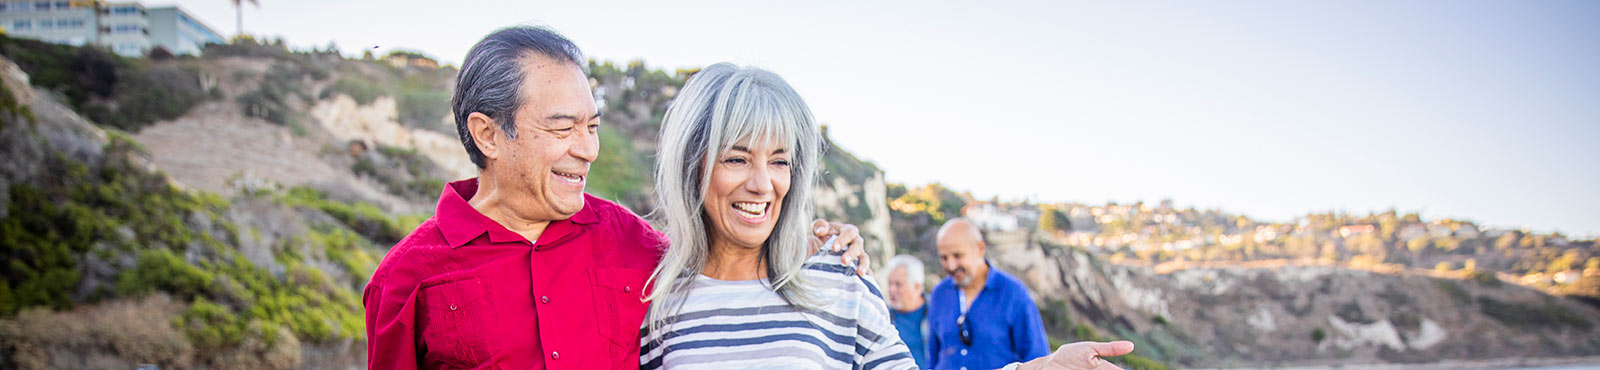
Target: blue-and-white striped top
{"x":746,"y":325}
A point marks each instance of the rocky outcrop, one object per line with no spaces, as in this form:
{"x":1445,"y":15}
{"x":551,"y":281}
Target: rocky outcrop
{"x":853,"y":191}
{"x":346,"y":120}
{"x":1294,"y":313}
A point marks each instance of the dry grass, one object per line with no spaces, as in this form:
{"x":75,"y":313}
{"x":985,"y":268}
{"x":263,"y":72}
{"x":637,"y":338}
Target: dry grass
{"x":115,"y":335}
{"x":123,"y":334}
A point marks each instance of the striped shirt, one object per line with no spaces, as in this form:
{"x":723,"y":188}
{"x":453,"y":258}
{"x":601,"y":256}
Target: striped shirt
{"x":746,"y":325}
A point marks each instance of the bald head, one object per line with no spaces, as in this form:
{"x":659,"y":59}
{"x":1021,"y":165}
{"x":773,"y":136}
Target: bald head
{"x":960,"y":230}
{"x":961,"y":250}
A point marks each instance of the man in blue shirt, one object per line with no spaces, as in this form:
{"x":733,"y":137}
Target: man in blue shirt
{"x":907,"y":307}
{"x":979,"y":317}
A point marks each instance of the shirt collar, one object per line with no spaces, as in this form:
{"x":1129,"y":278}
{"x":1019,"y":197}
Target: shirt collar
{"x":988,"y":279}
{"x":460,"y":223}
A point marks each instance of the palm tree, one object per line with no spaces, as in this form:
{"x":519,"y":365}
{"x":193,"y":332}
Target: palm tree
{"x":238,"y":9}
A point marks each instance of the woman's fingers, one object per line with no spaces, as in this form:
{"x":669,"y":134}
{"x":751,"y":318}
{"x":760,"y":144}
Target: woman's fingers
{"x":849,"y":241}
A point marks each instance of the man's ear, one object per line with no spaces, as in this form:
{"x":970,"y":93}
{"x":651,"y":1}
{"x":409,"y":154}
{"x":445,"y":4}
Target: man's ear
{"x":484,"y":131}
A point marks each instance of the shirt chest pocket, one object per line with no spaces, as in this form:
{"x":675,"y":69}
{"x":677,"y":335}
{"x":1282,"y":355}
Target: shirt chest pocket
{"x":620,"y":295}
{"x":455,"y":320}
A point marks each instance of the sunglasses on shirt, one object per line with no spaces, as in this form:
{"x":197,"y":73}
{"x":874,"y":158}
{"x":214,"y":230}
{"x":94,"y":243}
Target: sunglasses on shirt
{"x":966,"y":329}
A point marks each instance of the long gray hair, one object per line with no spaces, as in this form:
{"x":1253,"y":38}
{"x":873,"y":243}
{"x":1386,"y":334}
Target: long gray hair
{"x":722,"y":105}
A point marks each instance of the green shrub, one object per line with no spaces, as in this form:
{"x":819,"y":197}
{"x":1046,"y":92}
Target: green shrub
{"x":423,"y":108}
{"x":40,"y":242}
{"x":77,"y":73}
{"x":618,"y":173}
{"x":364,"y":218}
{"x":55,"y":219}
{"x":348,"y":250}
{"x":151,"y":93}
{"x":160,"y":269}
{"x":11,"y":108}
{"x":107,"y":88}
{"x":249,"y":47}
{"x":364,"y":91}
{"x":1317,"y":335}
{"x":212,"y":326}
{"x":271,"y":100}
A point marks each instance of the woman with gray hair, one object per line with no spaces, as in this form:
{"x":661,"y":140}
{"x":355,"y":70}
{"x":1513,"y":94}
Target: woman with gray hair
{"x":737,"y":286}
{"x":735,"y":289}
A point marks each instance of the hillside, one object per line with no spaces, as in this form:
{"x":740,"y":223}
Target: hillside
{"x":110,"y":264}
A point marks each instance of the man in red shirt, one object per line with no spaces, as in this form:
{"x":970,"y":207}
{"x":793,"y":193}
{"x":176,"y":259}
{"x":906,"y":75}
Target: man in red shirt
{"x":519,"y":268}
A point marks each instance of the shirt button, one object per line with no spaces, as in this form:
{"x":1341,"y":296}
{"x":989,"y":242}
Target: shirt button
{"x":963,"y":352}
{"x":557,"y":356}
{"x":452,"y":307}
{"x":544,"y":299}
{"x":627,"y":289}
{"x":963,"y":368}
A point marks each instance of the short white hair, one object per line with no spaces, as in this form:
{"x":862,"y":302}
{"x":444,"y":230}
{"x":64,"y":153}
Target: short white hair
{"x":914,"y":270}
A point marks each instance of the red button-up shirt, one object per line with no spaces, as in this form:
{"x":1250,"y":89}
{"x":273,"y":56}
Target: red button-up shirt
{"x":463,"y":292}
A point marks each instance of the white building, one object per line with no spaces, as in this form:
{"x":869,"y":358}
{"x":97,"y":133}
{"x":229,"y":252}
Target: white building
{"x":128,"y":28}
{"x":989,"y":217}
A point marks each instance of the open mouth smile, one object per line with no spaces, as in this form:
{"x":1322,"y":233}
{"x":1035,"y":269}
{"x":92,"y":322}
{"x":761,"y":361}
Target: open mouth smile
{"x":752,"y":211}
{"x":570,"y":178}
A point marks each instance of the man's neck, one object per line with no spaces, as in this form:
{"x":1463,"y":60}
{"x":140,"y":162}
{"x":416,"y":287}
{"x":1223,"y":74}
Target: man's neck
{"x":733,"y":263}
{"x":494,"y":204}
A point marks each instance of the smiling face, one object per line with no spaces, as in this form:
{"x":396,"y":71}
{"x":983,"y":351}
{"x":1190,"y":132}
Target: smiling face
{"x":961,"y":250}
{"x":557,"y":139}
{"x":745,"y":194}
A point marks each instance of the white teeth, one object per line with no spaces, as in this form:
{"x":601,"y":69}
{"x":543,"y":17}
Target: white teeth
{"x":569,"y":177}
{"x":751,"y":209}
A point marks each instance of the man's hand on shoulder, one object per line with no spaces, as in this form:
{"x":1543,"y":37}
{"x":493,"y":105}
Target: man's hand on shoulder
{"x":849,"y":237}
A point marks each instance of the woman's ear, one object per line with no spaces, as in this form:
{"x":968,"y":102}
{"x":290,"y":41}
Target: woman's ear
{"x":483,"y":131}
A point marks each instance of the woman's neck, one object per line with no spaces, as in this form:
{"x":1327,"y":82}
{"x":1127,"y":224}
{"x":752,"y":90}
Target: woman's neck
{"x":730,"y":262}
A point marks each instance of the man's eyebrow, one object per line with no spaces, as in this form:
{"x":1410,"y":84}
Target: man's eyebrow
{"x":561,"y":116}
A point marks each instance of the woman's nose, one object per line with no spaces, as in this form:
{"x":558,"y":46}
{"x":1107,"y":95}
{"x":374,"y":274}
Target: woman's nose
{"x":759,"y":182}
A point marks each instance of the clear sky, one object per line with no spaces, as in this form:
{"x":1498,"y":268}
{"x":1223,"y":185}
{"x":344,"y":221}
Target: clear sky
{"x":1483,"y":110}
